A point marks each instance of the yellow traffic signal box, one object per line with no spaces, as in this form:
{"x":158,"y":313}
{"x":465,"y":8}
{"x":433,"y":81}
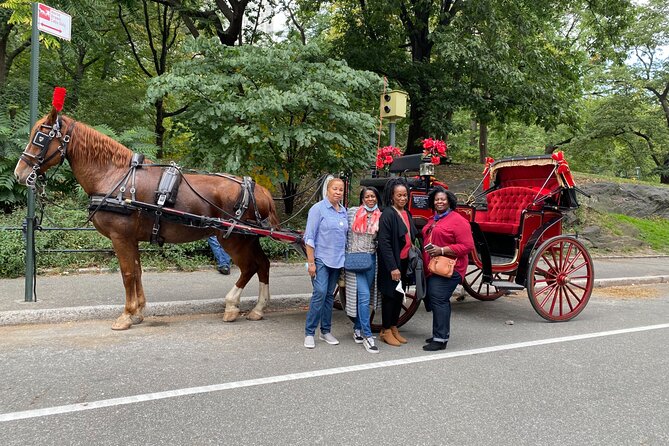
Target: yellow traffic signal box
{"x":394,"y":104}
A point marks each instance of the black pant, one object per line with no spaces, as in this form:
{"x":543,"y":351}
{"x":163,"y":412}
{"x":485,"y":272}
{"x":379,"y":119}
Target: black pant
{"x":391,"y":306}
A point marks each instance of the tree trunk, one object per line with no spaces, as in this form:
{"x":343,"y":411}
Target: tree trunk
{"x":288,"y":191}
{"x":160,"y":128}
{"x":483,"y":141}
{"x":473,"y":134}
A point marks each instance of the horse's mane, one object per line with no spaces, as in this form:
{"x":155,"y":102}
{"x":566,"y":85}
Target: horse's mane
{"x":87,"y":144}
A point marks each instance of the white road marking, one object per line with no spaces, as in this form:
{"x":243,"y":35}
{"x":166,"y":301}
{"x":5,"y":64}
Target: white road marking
{"x":47,"y":411}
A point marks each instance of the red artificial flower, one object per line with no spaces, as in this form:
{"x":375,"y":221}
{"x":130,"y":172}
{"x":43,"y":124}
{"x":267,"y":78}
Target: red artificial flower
{"x":435,"y":149}
{"x":386,"y":155}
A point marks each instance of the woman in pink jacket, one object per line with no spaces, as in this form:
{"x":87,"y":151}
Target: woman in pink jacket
{"x":446,"y":233}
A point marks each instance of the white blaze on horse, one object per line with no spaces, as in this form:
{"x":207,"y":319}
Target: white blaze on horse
{"x":120,"y":183}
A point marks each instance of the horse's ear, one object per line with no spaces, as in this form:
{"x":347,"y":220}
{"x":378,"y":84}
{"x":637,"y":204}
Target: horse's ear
{"x":51,"y":117}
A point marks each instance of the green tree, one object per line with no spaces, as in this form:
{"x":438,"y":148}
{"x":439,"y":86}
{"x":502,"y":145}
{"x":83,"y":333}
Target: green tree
{"x":630,"y":109}
{"x":498,"y":59}
{"x":288,"y":111}
{"x":13,"y":135}
{"x":159,"y":28}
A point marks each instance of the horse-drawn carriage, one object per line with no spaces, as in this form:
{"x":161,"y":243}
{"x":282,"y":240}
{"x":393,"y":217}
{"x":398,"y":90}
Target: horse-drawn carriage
{"x":515,"y":220}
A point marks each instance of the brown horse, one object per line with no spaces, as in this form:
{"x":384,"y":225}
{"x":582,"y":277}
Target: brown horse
{"x":100,"y":165}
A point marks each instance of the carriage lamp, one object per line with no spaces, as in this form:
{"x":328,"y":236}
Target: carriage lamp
{"x":426,"y":169}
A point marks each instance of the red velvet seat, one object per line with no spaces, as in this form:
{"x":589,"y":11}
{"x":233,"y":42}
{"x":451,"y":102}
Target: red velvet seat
{"x":505,"y":207}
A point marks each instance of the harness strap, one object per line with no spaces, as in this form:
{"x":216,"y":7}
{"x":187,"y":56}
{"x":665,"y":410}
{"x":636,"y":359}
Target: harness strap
{"x":155,"y":231}
{"x":244,"y":196}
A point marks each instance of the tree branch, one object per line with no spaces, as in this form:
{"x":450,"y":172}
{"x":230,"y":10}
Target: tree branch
{"x":132,"y":44}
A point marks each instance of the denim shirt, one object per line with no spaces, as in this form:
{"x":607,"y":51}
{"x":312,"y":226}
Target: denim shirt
{"x":326,"y":233}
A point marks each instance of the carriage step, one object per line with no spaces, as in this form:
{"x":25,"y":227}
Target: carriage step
{"x":505,"y":285}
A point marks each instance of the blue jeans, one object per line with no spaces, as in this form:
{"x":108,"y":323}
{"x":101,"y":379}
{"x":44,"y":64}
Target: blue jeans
{"x":222,"y":257}
{"x":440,"y":289}
{"x":322,"y":298}
{"x":364,"y":281}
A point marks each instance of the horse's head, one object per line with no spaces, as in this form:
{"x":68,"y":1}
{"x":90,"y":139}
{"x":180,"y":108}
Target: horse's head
{"x":47,"y":147}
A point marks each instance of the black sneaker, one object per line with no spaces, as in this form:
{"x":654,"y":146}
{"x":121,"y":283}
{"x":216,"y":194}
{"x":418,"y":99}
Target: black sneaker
{"x":369,"y":344}
{"x":225,"y":270}
{"x":434,"y":346}
{"x":357,"y":337}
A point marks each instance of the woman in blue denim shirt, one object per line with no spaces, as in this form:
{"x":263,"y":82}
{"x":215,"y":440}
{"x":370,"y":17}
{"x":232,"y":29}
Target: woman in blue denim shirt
{"x":325,"y":240}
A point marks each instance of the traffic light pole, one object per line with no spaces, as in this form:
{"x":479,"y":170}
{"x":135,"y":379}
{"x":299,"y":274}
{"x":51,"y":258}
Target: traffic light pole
{"x":29,"y":226}
{"x":391,"y":130}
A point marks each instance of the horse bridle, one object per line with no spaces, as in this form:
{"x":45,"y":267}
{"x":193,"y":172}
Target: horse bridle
{"x":43,"y":140}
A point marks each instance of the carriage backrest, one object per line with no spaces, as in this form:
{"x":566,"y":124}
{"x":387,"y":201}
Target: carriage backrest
{"x":539,"y":178}
{"x":505,"y":207}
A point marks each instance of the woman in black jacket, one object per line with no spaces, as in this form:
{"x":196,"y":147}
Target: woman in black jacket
{"x":396,"y":234}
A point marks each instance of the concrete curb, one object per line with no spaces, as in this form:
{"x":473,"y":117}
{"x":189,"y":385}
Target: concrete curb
{"x":174,"y":308}
{"x":212,"y":306}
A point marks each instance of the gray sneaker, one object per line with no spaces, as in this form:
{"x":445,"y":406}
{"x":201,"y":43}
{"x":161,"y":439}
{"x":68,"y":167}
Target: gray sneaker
{"x":309,"y":342}
{"x":357,"y":336}
{"x":370,"y":345}
{"x":327,"y":337}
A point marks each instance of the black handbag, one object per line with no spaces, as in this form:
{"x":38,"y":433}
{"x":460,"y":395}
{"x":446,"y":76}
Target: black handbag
{"x":358,"y":261}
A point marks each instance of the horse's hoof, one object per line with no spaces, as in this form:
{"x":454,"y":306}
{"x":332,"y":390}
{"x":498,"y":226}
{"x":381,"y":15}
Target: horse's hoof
{"x":254,"y":315}
{"x":123,"y":322}
{"x":230,"y":315}
{"x":137,"y":319}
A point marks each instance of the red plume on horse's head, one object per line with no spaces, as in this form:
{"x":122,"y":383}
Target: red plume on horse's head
{"x":58,"y":98}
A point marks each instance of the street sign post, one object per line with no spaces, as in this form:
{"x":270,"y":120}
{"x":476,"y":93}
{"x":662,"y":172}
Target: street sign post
{"x":59,"y":24}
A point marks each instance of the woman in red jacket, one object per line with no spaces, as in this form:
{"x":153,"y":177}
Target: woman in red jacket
{"x":446,"y":233}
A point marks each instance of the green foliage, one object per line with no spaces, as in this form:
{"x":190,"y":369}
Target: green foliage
{"x":654,"y":231}
{"x":288,"y":110}
{"x":13,"y":135}
{"x":496,"y":60}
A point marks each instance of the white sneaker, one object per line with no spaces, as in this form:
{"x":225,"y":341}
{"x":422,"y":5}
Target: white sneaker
{"x":329,"y":338}
{"x":357,"y":336}
{"x":309,"y":342}
{"x":370,"y":345}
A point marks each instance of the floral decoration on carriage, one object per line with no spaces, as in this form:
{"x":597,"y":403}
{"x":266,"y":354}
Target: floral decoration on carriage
{"x":434,"y":149}
{"x":386,"y":155}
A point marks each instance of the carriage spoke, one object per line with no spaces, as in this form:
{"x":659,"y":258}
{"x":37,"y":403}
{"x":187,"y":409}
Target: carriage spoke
{"x":556,"y":262}
{"x":549,"y":289}
{"x":571,"y":263}
{"x":474,"y":271}
{"x":573,"y":293}
{"x":578,"y":286}
{"x":543,"y":272}
{"x":555,"y":296}
{"x":568,"y":255}
{"x":576,"y":268}
{"x":548,"y":263}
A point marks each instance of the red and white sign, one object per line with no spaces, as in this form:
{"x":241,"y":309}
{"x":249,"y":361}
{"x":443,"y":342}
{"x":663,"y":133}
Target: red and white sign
{"x":54,"y":22}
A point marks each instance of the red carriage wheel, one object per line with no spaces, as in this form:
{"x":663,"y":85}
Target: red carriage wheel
{"x":339,"y":298}
{"x":474,"y":285}
{"x":560,"y":278}
{"x":409,"y":308}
